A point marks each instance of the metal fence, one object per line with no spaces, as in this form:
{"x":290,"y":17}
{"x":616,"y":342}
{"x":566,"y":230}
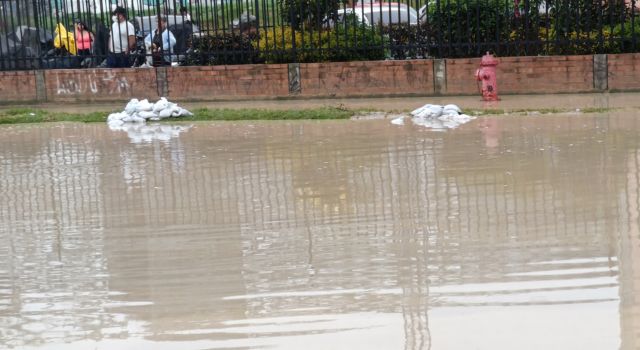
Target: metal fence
{"x":44,"y":34}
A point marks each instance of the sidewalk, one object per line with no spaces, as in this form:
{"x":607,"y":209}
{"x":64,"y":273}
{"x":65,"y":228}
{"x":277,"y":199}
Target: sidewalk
{"x":389,"y":104}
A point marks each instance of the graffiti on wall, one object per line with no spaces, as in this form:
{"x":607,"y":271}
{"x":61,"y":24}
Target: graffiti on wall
{"x":104,"y":82}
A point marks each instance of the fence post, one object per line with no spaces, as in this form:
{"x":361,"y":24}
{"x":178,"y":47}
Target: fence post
{"x":439,"y":76}
{"x":295,"y":86}
{"x":600,"y":72}
{"x":41,"y":88}
{"x":161,"y":82}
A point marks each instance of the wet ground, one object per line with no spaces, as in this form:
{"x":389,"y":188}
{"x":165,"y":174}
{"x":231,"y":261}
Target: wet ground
{"x":507,"y":233}
{"x":621,"y":100}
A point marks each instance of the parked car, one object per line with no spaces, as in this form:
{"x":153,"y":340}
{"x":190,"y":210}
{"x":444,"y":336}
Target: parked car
{"x":381,"y":13}
{"x":544,"y":7}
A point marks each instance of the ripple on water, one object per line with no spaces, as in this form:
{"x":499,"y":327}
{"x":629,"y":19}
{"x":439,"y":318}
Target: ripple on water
{"x":506,"y":233}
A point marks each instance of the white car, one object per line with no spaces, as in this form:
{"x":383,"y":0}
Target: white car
{"x":543,"y":8}
{"x":381,"y":13}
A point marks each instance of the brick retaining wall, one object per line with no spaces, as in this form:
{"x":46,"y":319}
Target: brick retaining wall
{"x":367,"y":78}
{"x":516,"y":75}
{"x":99,"y":84}
{"x":460,"y":76}
{"x":18,"y":86}
{"x":523,"y":75}
{"x":228,"y":82}
{"x":624,"y":72}
{"x":551,"y":74}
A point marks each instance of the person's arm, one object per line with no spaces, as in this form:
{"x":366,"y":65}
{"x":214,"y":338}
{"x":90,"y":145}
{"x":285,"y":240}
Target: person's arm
{"x":131,"y":36}
{"x":132,"y":43}
{"x":91,"y":43}
{"x":147,"y":40}
{"x":170,"y":39}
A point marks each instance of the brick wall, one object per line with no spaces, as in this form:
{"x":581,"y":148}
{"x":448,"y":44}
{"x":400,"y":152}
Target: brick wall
{"x":367,"y":78}
{"x":461,"y":76}
{"x":412,"y":77}
{"x":17,"y":86}
{"x":550,"y":74}
{"x":624,"y":71}
{"x":228,"y":82}
{"x":100,"y":84}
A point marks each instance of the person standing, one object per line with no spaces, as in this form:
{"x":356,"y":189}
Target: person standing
{"x":84,"y":38}
{"x":122,"y":40}
{"x":161,"y":42}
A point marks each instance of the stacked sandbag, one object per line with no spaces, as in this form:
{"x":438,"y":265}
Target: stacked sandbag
{"x":437,"y":117}
{"x":140,"y":111}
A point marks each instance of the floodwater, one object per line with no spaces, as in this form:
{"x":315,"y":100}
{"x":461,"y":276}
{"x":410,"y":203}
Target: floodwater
{"x":507,"y":233}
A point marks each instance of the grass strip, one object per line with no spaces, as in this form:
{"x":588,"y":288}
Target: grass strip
{"x":525,"y":111}
{"x":29,"y":115}
{"x":264,"y":114}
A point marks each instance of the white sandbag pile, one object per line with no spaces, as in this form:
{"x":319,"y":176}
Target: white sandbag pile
{"x":140,"y":111}
{"x":437,"y":117}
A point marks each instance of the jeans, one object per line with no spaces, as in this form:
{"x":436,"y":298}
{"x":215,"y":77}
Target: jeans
{"x":118,"y":60}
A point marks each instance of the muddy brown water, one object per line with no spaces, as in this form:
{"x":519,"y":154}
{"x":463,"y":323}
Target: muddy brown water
{"x":507,"y":233}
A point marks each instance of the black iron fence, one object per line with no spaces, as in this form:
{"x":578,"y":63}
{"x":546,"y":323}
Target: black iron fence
{"x":37,"y":34}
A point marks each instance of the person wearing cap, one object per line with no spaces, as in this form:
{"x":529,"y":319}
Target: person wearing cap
{"x":84,"y":38}
{"x":122,"y":40}
{"x":161,"y":42}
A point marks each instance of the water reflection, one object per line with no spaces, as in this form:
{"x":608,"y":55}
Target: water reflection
{"x":141,"y":132}
{"x":506,"y":233}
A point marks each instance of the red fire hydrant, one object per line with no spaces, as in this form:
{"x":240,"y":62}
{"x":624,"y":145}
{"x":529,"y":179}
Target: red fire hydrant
{"x":487,"y":75}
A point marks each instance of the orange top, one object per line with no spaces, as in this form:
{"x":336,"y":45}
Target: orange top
{"x":83,"y":40}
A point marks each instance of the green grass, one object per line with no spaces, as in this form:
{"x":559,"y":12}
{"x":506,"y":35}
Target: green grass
{"x":477,"y":112}
{"x":263,"y":114}
{"x":595,"y":110}
{"x":28,"y":115}
{"x":481,"y":112}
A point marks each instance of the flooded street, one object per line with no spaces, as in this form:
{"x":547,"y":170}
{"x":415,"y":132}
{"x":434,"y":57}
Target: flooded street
{"x":507,"y":233}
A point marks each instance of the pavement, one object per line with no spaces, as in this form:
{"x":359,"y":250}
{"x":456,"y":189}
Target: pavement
{"x":622,"y":100}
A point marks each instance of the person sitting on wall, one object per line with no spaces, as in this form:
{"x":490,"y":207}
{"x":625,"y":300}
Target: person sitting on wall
{"x":161,"y":42}
{"x":122,"y":40}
